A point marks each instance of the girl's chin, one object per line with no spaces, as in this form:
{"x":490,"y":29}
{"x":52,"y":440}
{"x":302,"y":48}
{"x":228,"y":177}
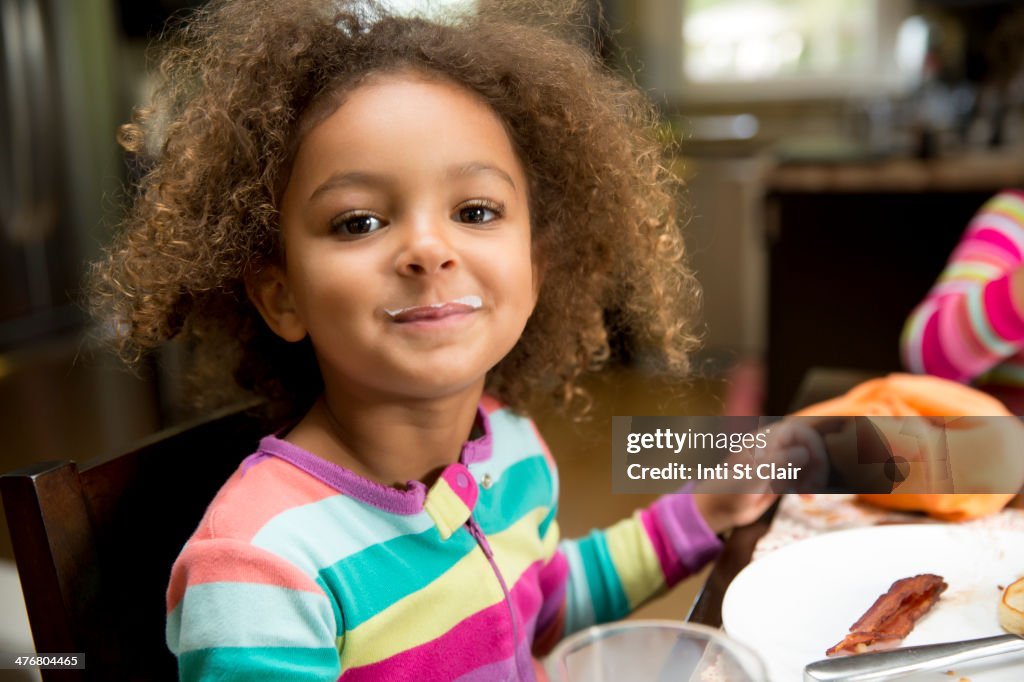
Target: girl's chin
{"x":402,"y":373}
{"x":440,"y":387}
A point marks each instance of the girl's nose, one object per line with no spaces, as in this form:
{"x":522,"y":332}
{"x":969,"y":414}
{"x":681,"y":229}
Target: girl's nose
{"x":425,"y":251}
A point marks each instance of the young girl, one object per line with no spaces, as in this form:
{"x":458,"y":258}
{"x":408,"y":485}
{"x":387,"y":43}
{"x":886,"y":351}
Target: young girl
{"x":407,"y":233}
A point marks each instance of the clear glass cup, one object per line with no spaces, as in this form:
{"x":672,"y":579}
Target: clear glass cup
{"x":653,"y":651}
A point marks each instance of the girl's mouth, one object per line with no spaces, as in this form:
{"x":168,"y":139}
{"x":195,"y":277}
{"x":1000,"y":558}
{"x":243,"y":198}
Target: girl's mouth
{"x":435,"y":311}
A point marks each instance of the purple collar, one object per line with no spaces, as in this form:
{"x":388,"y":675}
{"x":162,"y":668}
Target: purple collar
{"x":407,"y":501}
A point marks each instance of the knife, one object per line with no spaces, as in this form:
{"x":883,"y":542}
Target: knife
{"x":883,"y":665}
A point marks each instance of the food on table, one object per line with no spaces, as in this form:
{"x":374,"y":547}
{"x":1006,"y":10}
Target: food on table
{"x":1011,"y":608}
{"x":983,"y":452}
{"x":946,"y":506}
{"x":893,"y":615}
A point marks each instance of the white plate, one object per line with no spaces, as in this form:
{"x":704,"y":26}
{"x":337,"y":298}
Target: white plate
{"x":796,"y":602}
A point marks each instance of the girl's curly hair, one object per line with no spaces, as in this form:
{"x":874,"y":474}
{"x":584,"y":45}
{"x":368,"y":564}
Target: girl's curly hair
{"x":242,"y":81}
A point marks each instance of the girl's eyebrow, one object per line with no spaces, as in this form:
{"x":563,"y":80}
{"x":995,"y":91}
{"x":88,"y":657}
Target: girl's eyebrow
{"x":349,"y":178}
{"x":480,"y":167}
{"x":346,"y":179}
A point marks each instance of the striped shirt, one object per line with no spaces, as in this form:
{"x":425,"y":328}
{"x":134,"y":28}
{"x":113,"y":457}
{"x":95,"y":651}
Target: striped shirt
{"x":302,"y":570}
{"x":968,"y":327}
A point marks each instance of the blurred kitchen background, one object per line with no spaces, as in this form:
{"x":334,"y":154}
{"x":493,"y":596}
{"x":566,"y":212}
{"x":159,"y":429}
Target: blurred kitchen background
{"x":834,"y":150}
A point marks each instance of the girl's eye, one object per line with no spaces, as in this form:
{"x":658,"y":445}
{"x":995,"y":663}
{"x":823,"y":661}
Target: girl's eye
{"x":478,"y":214}
{"x":356,"y":225}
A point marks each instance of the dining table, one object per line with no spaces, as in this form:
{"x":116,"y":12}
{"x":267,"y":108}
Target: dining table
{"x":799,"y":517}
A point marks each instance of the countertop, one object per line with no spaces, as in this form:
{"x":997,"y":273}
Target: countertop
{"x":972,"y":171}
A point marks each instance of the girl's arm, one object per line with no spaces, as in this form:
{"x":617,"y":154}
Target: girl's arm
{"x":609,"y":573}
{"x":972,"y":320}
{"x":238,"y":612}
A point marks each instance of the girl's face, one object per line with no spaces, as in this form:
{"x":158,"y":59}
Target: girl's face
{"x":407,"y":239}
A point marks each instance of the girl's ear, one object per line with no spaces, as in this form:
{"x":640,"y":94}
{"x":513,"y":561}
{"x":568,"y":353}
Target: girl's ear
{"x":270,"y":293}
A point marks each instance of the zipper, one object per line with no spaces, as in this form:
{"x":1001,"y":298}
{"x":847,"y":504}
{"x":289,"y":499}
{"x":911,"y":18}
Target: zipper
{"x":481,"y":540}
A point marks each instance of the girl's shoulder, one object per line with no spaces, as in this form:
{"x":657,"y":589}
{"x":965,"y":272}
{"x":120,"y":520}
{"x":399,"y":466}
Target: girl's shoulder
{"x":262,"y":489}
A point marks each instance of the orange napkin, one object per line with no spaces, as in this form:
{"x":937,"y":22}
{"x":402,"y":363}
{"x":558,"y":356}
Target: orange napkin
{"x":979,"y":449}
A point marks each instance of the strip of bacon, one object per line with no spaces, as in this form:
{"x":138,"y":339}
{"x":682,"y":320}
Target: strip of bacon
{"x":893,"y":615}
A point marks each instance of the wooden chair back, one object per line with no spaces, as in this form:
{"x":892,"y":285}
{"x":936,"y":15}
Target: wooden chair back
{"x":94,"y":544}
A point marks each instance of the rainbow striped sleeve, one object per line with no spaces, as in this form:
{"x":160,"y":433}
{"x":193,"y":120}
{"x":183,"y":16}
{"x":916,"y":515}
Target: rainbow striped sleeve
{"x":609,"y":573}
{"x":968,"y":323}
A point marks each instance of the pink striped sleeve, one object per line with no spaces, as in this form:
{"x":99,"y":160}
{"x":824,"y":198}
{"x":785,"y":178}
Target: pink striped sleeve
{"x":1003,"y":313}
{"x":968,"y":322}
{"x":687,"y":541}
{"x":671,"y":567}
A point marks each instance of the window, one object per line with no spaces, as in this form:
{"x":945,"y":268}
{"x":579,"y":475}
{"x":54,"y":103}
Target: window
{"x":756,"y":39}
{"x":783,"y":48}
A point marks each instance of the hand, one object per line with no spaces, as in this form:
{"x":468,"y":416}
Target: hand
{"x":722,"y":511}
{"x":795,"y":442}
{"x":792,"y":443}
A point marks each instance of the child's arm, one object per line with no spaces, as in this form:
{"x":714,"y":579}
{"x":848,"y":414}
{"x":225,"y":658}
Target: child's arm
{"x":972,"y":319}
{"x":607,"y":574}
{"x":238,"y":612}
